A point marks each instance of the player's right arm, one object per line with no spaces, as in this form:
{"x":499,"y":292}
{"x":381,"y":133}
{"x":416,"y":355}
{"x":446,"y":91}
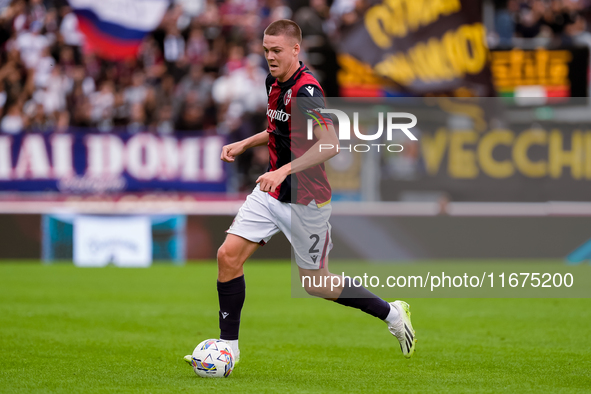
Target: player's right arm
{"x":230,"y":151}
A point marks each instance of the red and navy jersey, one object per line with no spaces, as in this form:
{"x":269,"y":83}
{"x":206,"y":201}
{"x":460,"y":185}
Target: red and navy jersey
{"x":288,"y":140}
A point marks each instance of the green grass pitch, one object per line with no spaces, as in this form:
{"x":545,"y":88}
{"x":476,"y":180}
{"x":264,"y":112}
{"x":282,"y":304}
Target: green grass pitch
{"x":70,"y":330}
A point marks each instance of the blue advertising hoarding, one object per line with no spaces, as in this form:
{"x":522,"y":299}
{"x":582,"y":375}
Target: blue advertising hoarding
{"x":101,"y":162}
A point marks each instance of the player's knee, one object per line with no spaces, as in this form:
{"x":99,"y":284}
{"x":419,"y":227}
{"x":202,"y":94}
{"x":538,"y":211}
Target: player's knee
{"x":227,"y":259}
{"x":224,"y":256}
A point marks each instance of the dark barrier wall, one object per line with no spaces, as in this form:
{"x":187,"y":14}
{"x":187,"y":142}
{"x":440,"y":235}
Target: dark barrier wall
{"x":205,"y":234}
{"x":377,"y":239}
{"x":20,"y":237}
{"x":445,"y":237}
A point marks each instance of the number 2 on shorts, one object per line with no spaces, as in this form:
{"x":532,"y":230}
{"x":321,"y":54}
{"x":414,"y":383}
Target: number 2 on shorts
{"x":313,"y":247}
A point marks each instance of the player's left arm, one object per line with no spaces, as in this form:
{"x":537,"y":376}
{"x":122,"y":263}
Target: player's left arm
{"x":326,"y":138}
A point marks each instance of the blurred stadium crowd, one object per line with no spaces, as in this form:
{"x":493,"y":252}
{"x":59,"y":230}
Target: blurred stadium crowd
{"x":193,"y":73}
{"x":554,"y":22}
{"x":202,"y":70}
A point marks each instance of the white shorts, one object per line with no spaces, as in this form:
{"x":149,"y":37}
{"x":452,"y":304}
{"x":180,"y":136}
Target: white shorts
{"x":305,"y":226}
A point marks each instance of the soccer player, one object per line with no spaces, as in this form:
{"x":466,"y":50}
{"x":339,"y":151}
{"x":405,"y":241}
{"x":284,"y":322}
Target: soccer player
{"x":292,"y":197}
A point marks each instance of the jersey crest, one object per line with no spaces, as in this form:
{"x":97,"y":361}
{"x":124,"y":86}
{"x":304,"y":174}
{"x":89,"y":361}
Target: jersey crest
{"x":287,"y":97}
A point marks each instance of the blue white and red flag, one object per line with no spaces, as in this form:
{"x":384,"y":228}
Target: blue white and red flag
{"x":114,"y":29}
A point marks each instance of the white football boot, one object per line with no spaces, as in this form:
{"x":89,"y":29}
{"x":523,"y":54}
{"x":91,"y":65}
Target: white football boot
{"x":235,"y":349}
{"x":402,"y":328}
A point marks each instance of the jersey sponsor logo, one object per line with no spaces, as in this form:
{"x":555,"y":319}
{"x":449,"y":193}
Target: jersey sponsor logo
{"x":287,"y":97}
{"x":279,"y":115}
{"x":310,"y":90}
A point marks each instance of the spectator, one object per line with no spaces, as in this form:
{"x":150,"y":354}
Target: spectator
{"x":62,"y":123}
{"x":197,"y":46}
{"x":137,"y":122}
{"x":120,"y":110}
{"x":12,"y":122}
{"x":3,"y":97}
{"x":69,"y":28}
{"x":557,"y":17}
{"x":578,"y":32}
{"x":53,"y":97}
{"x":174,"y":45}
{"x":136,"y":93}
{"x":536,"y":18}
{"x":39,"y":121}
{"x":196,"y":81}
{"x":31,"y":46}
{"x":165,"y":123}
{"x":102,"y":103}
{"x":505,"y":21}
{"x":191,"y":114}
{"x":530,"y":19}
{"x":43,"y":68}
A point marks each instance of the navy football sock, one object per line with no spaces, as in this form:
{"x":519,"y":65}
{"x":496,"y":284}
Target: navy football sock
{"x":231,"y":295}
{"x":357,"y":296}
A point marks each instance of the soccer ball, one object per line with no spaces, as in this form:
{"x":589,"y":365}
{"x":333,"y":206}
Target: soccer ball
{"x":213,"y":358}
